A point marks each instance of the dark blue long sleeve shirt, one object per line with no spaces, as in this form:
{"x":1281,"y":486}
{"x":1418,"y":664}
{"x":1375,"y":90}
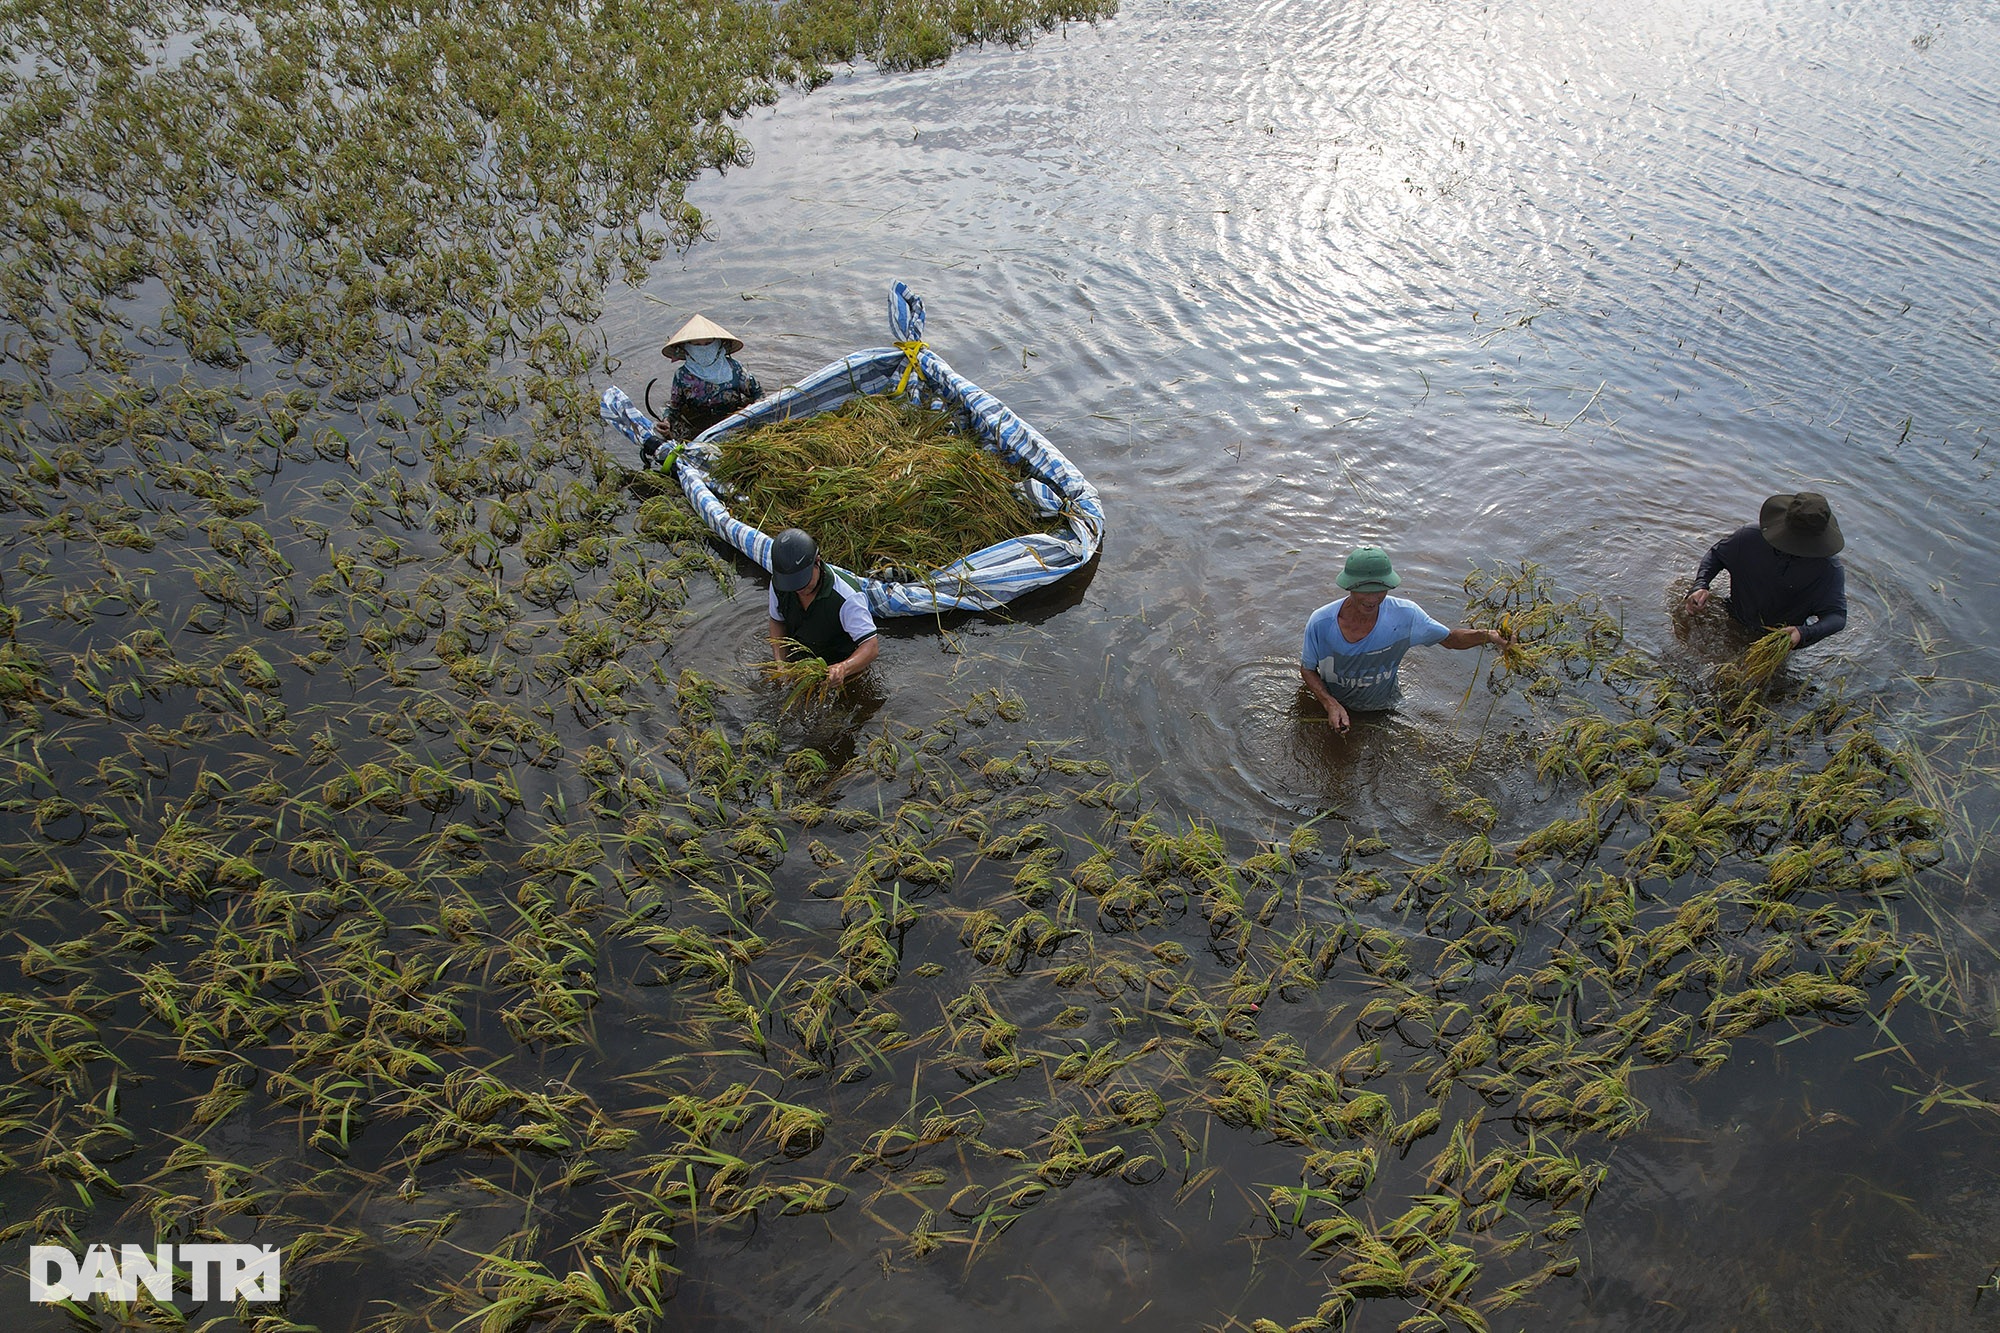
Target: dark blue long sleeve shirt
{"x":1768,"y":588}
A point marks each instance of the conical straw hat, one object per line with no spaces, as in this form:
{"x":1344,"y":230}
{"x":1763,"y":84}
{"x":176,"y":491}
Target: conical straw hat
{"x":701,"y":329}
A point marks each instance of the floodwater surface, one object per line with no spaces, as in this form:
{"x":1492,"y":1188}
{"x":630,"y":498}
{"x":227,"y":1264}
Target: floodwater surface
{"x":1572,"y":285}
{"x":1577,"y":288}
{"x":407,"y":866}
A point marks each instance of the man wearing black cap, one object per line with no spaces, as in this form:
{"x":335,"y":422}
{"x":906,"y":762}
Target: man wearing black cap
{"x":813,"y":606}
{"x":1783,"y":570}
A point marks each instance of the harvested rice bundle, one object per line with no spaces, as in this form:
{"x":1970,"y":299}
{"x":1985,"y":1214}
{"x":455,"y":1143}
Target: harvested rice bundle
{"x":803,"y":677}
{"x":1767,"y":656}
{"x":879,"y":483}
{"x":1744,"y":681}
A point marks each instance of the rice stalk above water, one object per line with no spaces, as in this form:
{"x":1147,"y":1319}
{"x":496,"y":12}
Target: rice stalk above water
{"x":1745,"y":680}
{"x":1767,"y":656}
{"x":878,"y":483}
{"x":804,"y":678}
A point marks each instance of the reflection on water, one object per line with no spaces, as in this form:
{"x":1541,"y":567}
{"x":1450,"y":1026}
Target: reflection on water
{"x":1557,"y":287}
{"x":1568,"y":285}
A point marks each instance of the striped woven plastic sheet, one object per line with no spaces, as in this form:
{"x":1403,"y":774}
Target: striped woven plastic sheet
{"x":976,"y":581}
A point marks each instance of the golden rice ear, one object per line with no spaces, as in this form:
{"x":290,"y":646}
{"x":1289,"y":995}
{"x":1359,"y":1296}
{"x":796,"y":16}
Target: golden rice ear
{"x":805,"y":677}
{"x":1764,"y":659}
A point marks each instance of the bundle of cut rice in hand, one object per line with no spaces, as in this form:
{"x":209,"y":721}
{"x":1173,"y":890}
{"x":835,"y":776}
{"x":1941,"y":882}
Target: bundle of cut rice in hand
{"x":1766,"y":657}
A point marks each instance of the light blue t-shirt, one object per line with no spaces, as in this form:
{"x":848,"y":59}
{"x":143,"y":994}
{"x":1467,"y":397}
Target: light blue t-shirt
{"x":1363,"y":675}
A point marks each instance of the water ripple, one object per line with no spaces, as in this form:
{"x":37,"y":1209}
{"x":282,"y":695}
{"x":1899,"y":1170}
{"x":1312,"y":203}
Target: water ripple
{"x":1571,"y":285}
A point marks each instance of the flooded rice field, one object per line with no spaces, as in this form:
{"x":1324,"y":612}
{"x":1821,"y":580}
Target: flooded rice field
{"x":407,"y":865}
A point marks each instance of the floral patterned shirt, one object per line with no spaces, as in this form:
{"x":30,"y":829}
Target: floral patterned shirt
{"x":699,"y":403}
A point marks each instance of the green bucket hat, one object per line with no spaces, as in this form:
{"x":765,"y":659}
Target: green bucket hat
{"x":1368,"y":570}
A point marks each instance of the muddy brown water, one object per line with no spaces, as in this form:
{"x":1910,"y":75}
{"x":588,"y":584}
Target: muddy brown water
{"x":1571,"y":285}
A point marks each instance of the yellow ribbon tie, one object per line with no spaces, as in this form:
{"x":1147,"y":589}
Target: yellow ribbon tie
{"x":910,"y":350}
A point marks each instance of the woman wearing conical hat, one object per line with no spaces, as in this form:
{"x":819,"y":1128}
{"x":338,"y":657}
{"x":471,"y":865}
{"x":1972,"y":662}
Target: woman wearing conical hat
{"x":710,"y":383}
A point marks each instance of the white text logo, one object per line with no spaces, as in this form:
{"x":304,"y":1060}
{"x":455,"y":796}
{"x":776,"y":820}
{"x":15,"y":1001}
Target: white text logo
{"x":215,"y":1272}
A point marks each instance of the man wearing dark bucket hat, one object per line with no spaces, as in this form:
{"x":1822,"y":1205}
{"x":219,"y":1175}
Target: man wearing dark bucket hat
{"x":1355,"y":645}
{"x":1783,"y":570}
{"x":813,"y":606}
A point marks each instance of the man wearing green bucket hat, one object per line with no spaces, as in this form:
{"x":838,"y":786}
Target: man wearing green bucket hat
{"x":1783,"y":570}
{"x":1355,"y":645}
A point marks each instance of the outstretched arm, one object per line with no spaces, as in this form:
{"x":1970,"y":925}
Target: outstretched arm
{"x":1711,"y":564}
{"x":1828,"y":615}
{"x":1463,"y":637}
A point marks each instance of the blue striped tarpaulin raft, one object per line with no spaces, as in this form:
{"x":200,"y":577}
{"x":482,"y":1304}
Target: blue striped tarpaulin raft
{"x":978,"y":581}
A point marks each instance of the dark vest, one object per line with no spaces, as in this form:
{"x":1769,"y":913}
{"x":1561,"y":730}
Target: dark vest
{"x":818,"y":626}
